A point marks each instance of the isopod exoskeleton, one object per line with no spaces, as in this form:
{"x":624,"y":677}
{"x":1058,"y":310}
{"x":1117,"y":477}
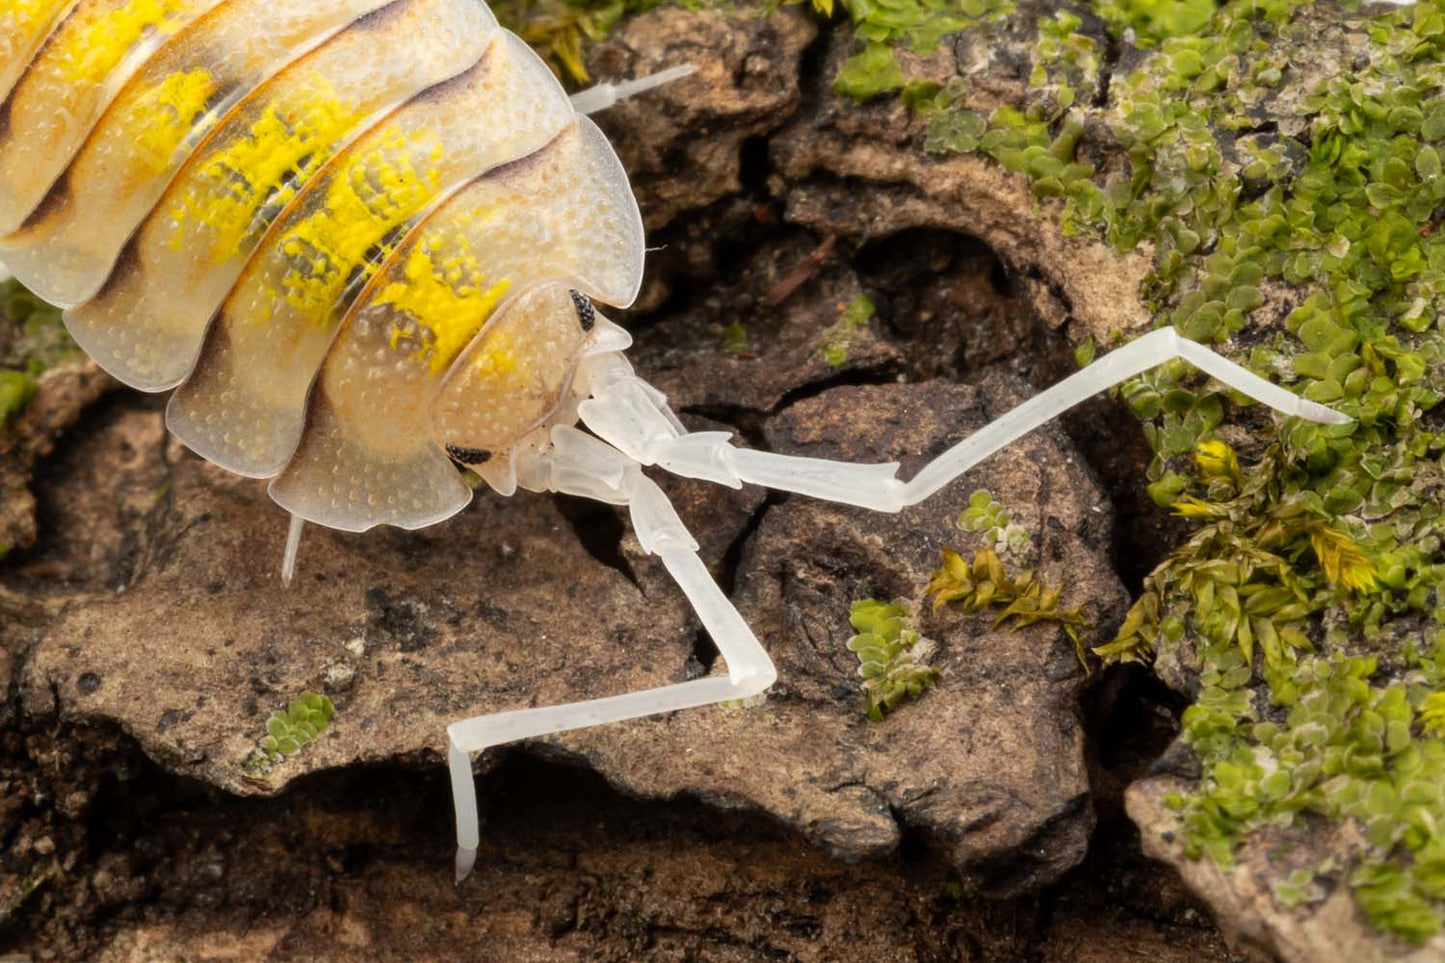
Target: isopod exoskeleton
{"x":363,"y":241}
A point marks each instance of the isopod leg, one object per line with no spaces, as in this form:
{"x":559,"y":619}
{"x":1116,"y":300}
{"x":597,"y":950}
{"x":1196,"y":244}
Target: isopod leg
{"x":626,"y":412}
{"x":293,"y":548}
{"x":581,"y":465}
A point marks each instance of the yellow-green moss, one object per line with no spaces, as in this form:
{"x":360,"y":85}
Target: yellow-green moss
{"x":32,"y":341}
{"x":892,"y":656}
{"x":1310,"y":595}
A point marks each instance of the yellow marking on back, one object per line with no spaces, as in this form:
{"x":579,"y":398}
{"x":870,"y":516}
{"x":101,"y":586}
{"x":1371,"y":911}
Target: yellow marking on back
{"x":99,"y":40}
{"x":445,"y":296}
{"x":500,"y":357}
{"x":26,"y":17}
{"x":265,"y":167}
{"x":376,"y":193}
{"x":160,"y":119}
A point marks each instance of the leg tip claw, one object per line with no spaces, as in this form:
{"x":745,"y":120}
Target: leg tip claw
{"x":1316,"y":412}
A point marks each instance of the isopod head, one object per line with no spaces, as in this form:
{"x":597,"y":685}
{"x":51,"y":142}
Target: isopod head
{"x":514,"y":376}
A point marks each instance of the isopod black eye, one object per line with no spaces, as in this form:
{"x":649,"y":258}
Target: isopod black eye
{"x":469,"y":456}
{"x":586,"y":313}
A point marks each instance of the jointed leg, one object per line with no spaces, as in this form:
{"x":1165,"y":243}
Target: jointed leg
{"x":633,"y":417}
{"x":623,"y":412}
{"x":581,"y":465}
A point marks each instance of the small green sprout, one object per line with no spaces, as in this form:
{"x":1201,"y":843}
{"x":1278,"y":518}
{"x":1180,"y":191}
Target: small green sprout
{"x":1003,"y":534}
{"x":1342,"y":560}
{"x":890,"y":655}
{"x":38,"y":341}
{"x":839,"y":337}
{"x":288,"y":732}
{"x":871,"y":71}
{"x":1296,"y":889}
{"x":735,"y":338}
{"x":17,"y":388}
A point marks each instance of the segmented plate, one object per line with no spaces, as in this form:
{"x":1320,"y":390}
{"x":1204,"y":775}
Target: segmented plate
{"x":341,"y":227}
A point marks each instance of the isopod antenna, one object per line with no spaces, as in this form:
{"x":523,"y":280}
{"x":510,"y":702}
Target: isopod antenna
{"x":593,"y":99}
{"x":626,"y":412}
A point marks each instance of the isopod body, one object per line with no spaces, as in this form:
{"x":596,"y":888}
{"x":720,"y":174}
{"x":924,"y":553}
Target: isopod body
{"x":362,"y":239}
{"x":337,"y":191}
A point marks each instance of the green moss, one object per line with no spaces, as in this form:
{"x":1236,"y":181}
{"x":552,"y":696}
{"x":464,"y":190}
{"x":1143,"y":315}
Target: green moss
{"x":892,"y":656}
{"x":16,"y":390}
{"x":1310,"y":594}
{"x":1000,"y":531}
{"x":559,"y":29}
{"x":882,"y":26}
{"x":871,"y":71}
{"x":32,"y":341}
{"x":289,"y":731}
{"x":1154,"y":20}
{"x":839,"y":338}
{"x":1021,"y":600}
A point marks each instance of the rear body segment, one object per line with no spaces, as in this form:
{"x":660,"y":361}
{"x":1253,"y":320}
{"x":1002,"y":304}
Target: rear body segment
{"x":81,"y":67}
{"x":148,"y":321}
{"x":242,"y":405}
{"x":66,"y":248}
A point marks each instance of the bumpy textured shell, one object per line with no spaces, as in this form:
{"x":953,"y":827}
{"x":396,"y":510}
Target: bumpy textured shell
{"x":344,"y":230}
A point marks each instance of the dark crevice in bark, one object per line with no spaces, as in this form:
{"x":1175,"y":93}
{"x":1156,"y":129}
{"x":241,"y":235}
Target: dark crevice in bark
{"x":749,"y":423}
{"x":1113,"y":49}
{"x":813,"y":75}
{"x":878,"y":376}
{"x":586,"y":865}
{"x":704,"y":649}
{"x":600,"y":528}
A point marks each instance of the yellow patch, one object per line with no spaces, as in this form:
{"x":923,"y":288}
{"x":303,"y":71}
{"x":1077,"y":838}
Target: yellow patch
{"x":353,"y":230}
{"x":100,"y":39}
{"x":162,"y":118}
{"x":446,"y":299}
{"x":500,"y":359}
{"x":266,"y":167}
{"x":25,"y":18}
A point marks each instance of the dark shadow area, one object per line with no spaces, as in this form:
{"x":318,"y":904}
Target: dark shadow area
{"x":599,"y":527}
{"x":356,"y":863}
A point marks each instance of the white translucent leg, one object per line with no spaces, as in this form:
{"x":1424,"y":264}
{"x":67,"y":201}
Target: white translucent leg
{"x":625,"y":411}
{"x":1118,"y":366}
{"x":581,"y":465}
{"x":293,"y":548}
{"x":593,"y":99}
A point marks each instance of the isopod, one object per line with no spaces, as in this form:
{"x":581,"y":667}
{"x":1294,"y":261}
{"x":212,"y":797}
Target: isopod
{"x":363,"y":240}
